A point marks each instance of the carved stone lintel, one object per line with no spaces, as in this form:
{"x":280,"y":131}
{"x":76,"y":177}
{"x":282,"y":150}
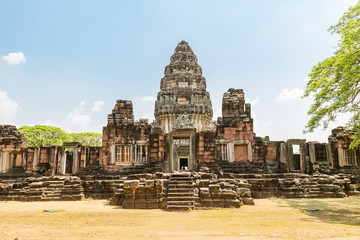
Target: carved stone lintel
{"x":183,"y":121}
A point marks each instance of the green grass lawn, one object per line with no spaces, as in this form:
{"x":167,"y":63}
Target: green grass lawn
{"x":268,"y":219}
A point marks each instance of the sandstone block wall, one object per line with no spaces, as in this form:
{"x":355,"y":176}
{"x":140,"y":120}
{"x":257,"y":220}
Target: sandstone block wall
{"x":292,"y":185}
{"x":150,"y":191}
{"x":56,"y":188}
{"x":223,"y":193}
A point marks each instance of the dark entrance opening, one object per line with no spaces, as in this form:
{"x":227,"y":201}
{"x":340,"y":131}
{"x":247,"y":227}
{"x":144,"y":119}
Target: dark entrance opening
{"x":296,"y":159}
{"x":183,"y":163}
{"x":69,"y":162}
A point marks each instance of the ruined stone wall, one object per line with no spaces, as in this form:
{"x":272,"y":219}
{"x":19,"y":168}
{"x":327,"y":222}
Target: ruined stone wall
{"x":48,"y":160}
{"x":12,"y":147}
{"x":342,"y":156}
{"x":151,"y":190}
{"x":124,"y":133}
{"x":236,"y":127}
{"x":223,"y":192}
{"x":90,"y":156}
{"x":157,"y":147}
{"x":11,"y":138}
{"x":56,"y":188}
{"x":208,"y":191}
{"x":101,"y":186}
{"x":295,"y":185}
{"x":205,"y":147}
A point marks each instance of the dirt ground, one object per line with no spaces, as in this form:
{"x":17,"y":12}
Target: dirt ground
{"x":268,"y":219}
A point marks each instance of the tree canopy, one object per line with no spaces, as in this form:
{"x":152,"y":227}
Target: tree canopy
{"x":44,"y":135}
{"x":87,"y":138}
{"x":334,"y":82}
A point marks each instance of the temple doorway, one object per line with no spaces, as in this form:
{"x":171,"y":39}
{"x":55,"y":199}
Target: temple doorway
{"x":183,"y":163}
{"x":69,"y":162}
{"x":181,"y":151}
{"x":296,"y":157}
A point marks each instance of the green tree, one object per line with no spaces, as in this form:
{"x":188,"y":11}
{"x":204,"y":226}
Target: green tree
{"x":43,"y":135}
{"x":87,"y":138}
{"x":334,"y":82}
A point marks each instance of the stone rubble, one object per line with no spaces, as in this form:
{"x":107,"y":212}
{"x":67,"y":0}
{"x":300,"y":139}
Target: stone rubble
{"x":55,"y":188}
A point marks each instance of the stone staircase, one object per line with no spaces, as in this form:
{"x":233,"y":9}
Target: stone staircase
{"x":180,"y":192}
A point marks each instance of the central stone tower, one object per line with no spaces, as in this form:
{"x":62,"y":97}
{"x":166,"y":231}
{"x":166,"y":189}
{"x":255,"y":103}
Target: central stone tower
{"x":183,"y":93}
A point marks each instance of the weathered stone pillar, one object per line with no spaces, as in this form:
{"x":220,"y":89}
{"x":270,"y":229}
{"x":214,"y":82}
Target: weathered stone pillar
{"x":169,"y":156}
{"x":112,"y":154}
{"x":1,"y":160}
{"x":132,"y":159}
{"x":58,"y":161}
{"x":36,"y":158}
{"x":329,"y":154}
{"x":341,"y":157}
{"x":230,"y":152}
{"x":303,"y":154}
{"x":290,"y":157}
{"x":76,"y":161}
{"x":283,"y":153}
{"x":250,"y":152}
{"x":192,"y":155}
{"x":24,"y":160}
{"x":312,"y":153}
{"x":53,"y":159}
{"x":63,"y":163}
{"x":5,"y":162}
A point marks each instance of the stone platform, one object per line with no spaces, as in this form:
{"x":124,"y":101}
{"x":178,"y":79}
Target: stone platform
{"x":179,"y":190}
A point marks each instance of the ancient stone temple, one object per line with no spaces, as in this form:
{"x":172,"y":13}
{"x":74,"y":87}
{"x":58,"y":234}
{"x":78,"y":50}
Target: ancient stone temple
{"x":183,"y":158}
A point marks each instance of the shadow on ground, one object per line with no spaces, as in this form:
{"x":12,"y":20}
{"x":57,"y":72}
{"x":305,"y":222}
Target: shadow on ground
{"x":341,"y":211}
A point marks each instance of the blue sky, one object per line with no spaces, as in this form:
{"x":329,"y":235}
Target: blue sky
{"x":65,"y":63}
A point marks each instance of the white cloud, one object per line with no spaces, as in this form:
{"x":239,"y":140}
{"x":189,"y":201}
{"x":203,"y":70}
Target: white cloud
{"x":14,"y":58}
{"x":148,"y":99}
{"x":97,"y":106}
{"x":76,"y":118}
{"x":81,"y":104}
{"x":287,"y":95}
{"x":8,"y":108}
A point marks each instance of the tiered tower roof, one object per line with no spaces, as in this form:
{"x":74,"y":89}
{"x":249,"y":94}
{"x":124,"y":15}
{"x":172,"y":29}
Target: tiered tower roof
{"x":183,"y":91}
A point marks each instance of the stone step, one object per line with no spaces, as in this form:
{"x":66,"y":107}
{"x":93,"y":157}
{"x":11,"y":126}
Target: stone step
{"x":180,"y":193}
{"x":179,"y":198}
{"x":172,"y":185}
{"x":180,"y":190}
{"x":181,"y":181}
{"x":180,"y":207}
{"x":180,"y":202}
{"x":182,"y":174}
{"x":180,"y":178}
{"x":315,"y":192}
{"x":52,"y":195}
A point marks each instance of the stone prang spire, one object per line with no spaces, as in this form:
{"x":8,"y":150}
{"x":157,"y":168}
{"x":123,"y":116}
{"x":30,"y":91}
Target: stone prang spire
{"x":183,"y":92}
